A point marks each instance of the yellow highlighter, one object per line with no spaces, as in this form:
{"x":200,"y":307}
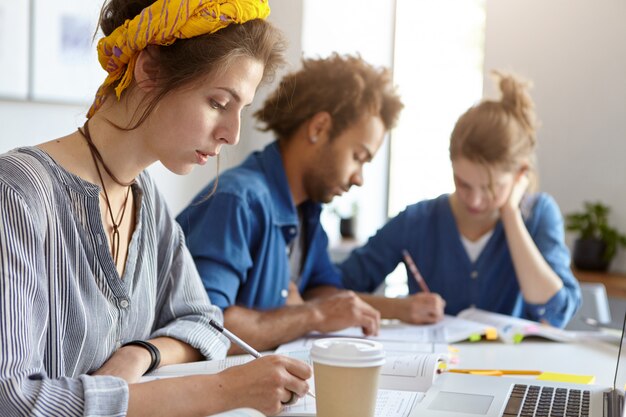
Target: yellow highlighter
{"x":572,"y":378}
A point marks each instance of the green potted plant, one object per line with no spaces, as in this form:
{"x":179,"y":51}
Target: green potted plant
{"x":597,"y":242}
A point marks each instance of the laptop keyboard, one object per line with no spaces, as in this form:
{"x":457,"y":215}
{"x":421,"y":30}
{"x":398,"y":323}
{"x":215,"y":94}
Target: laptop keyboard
{"x":535,"y":400}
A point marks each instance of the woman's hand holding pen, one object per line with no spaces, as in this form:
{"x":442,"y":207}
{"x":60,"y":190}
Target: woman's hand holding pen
{"x":421,"y":308}
{"x":265,"y":383}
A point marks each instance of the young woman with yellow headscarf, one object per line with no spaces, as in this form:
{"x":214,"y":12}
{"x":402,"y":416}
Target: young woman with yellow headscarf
{"x":96,"y":284}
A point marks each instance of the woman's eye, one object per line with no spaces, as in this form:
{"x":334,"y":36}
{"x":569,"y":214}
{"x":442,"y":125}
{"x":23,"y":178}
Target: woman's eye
{"x":217,"y":106}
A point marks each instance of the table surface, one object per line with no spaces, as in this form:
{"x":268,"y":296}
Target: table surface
{"x":615,"y":283}
{"x":594,"y":358}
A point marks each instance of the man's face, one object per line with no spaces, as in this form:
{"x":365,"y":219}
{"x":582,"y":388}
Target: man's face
{"x":338,"y":163}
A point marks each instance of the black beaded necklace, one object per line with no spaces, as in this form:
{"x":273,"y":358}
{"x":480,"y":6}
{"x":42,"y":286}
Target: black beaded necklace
{"x":95,"y":155}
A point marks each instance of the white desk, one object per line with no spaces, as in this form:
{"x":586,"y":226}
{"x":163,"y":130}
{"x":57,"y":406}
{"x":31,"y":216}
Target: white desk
{"x":597,"y":359}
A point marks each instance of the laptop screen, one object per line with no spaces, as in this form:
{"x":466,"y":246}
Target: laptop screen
{"x":619,"y":381}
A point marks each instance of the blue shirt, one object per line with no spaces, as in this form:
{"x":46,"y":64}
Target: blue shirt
{"x":428,"y":231}
{"x":238,"y":237}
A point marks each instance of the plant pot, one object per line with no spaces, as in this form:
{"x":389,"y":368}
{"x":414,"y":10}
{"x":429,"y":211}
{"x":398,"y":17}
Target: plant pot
{"x":589,"y":255}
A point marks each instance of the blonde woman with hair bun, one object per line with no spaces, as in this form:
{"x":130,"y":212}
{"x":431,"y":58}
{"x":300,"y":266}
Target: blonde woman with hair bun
{"x":494,"y":243}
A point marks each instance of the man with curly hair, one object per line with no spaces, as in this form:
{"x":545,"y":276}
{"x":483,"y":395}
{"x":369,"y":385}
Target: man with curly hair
{"x":257,"y":241}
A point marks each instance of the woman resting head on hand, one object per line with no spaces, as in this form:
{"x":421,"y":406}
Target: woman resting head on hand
{"x":493,"y":243}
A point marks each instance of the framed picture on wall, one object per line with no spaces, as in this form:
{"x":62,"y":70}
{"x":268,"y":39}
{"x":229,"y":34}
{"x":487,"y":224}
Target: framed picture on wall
{"x":65,"y":64}
{"x":14,"y":41}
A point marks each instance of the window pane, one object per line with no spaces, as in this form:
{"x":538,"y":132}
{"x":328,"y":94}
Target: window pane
{"x":438,"y":66}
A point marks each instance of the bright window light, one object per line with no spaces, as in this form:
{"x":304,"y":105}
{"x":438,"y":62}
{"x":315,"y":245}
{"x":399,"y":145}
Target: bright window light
{"x":438,"y":67}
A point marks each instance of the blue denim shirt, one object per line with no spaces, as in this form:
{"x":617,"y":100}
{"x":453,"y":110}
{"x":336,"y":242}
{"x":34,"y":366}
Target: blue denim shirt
{"x":238,"y":237}
{"x":428,"y":231}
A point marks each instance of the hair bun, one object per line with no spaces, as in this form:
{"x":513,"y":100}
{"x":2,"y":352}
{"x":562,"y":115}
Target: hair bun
{"x":516,"y":99}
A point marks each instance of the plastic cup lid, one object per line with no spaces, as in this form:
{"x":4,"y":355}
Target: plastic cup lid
{"x":348,"y":352}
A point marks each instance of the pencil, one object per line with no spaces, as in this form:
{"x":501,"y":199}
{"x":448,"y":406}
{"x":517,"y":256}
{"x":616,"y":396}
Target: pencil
{"x":414,"y":271}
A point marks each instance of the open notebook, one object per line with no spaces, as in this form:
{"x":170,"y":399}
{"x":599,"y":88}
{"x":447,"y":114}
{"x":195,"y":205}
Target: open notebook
{"x":449,"y":330}
{"x":409,"y":371}
{"x":403,"y":380}
{"x":473,"y":324}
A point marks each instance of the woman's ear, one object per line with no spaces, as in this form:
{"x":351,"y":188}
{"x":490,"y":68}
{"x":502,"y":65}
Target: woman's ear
{"x":523,"y":169}
{"x":147,"y":69}
{"x":319,"y":126}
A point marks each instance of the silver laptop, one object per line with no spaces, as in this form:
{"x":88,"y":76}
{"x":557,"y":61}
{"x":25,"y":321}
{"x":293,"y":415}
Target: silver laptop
{"x":458,"y":395}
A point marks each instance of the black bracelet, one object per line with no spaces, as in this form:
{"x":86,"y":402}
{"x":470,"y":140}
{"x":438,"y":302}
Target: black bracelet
{"x":155,"y":355}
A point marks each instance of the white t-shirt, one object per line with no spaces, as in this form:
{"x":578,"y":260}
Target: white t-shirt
{"x":474,"y":249}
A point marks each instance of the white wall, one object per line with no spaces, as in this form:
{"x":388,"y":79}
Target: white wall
{"x":326,"y":31}
{"x":575,"y":52}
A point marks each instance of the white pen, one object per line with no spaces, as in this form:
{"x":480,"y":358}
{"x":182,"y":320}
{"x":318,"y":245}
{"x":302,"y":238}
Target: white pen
{"x":243,"y":345}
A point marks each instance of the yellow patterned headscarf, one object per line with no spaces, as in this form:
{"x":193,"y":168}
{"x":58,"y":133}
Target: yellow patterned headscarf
{"x":162,"y":23}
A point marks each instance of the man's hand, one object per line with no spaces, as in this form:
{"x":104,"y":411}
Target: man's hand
{"x":345,"y":309}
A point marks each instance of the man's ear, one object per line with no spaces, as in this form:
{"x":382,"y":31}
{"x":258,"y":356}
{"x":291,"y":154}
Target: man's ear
{"x":146,"y":70}
{"x":319,"y":126}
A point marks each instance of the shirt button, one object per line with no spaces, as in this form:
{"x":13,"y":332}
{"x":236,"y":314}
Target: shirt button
{"x":287,"y":251}
{"x":124,"y":303}
{"x":292,"y":231}
{"x":474,"y":274}
{"x":284,"y":293}
{"x":118,"y":345}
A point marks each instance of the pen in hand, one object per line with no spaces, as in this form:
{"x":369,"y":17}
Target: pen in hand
{"x":230,"y":336}
{"x":240,"y":343}
{"x":414,"y":271}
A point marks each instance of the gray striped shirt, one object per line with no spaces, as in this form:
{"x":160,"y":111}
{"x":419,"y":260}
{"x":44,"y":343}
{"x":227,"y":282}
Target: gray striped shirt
{"x":64,"y":308}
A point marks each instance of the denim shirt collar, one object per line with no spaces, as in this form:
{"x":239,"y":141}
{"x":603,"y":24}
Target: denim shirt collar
{"x":271,"y":162}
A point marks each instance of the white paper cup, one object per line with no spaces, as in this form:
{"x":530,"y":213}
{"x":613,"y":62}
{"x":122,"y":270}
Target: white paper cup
{"x":346,"y":376}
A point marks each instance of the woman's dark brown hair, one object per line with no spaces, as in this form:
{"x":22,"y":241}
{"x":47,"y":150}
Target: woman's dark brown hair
{"x":188,"y":61}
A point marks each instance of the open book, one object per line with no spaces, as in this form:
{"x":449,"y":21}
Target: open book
{"x":514,"y":329}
